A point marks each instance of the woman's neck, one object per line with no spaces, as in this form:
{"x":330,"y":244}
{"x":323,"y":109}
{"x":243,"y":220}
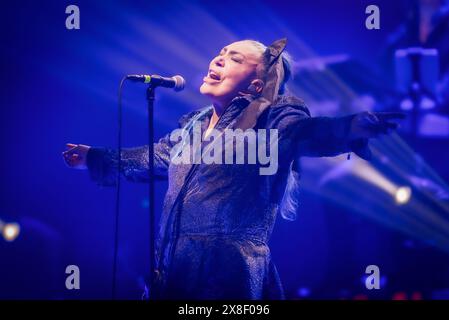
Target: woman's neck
{"x":216,"y":114}
{"x":219,"y":109}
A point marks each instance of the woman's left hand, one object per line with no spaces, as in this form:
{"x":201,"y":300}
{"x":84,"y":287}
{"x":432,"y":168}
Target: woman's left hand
{"x":367,"y":124}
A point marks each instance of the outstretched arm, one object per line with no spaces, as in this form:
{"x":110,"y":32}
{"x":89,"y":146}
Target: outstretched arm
{"x":303,"y":135}
{"x":102,"y":163}
{"x":367,"y":125}
{"x":325,"y":136}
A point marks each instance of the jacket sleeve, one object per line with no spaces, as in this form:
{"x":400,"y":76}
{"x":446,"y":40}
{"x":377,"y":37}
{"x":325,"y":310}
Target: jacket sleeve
{"x":102,"y":163}
{"x":302,"y":135}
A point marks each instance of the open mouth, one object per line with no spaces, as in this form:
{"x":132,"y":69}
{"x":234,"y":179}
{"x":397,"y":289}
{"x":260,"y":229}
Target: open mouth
{"x":214,"y":75}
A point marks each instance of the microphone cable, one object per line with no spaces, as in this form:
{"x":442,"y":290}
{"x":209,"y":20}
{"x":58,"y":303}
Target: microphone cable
{"x":117,"y":194}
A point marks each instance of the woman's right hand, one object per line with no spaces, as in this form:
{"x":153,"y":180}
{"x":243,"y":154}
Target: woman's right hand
{"x":75,"y":156}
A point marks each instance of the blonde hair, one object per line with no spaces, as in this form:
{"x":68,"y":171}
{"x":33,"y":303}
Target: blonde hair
{"x":286,"y":62}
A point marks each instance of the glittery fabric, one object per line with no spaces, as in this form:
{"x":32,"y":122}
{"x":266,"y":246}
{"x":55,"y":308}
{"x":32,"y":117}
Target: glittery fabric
{"x":217,"y":218}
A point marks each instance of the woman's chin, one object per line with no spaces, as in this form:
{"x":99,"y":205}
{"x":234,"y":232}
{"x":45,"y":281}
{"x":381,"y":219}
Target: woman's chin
{"x":206,"y":90}
{"x":203,"y":88}
{"x":216,"y":96}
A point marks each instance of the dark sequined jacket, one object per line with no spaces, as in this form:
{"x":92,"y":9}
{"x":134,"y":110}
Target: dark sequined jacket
{"x":217,"y":218}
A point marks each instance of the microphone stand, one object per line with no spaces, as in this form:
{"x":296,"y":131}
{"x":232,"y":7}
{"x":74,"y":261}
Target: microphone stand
{"x":150,"y":98}
{"x":176,"y":82}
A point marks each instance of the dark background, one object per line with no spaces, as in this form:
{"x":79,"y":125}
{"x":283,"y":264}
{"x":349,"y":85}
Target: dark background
{"x":60,"y":86}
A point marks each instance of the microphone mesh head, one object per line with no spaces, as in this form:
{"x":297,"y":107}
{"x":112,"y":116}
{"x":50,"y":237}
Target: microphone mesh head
{"x":179,"y":83}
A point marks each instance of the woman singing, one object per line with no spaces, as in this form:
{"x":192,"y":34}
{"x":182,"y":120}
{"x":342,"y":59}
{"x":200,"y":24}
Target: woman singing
{"x":218,"y":217}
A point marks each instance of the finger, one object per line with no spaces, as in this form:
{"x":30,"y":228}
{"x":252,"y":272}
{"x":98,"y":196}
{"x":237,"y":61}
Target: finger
{"x":70,"y":151}
{"x":72,"y":160}
{"x":70,"y":145}
{"x":68,"y":161}
{"x":66,"y":154}
{"x":390,"y":115}
{"x":69,"y":154}
{"x":371,"y":118}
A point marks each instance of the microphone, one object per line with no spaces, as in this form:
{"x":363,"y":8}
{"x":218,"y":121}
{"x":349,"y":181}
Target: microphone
{"x":177,"y":82}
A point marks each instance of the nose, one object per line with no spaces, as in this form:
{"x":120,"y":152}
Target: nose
{"x":219,"y":61}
